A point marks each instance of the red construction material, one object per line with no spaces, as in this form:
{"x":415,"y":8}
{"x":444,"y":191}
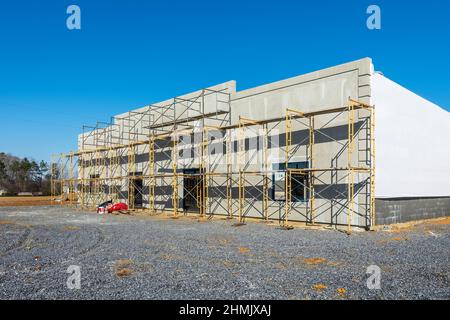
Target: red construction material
{"x":118,"y":207}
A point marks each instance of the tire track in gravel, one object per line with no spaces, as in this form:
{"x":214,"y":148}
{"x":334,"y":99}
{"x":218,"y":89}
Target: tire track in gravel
{"x":27,"y":235}
{"x":58,"y":266}
{"x":95,"y":246}
{"x":19,"y":243}
{"x":100,"y":240}
{"x":55,"y":265}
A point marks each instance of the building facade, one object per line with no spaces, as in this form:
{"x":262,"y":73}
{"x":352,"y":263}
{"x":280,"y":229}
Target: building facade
{"x":304,"y":149}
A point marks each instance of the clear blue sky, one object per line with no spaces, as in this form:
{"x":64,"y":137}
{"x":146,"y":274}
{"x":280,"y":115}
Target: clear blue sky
{"x":131,"y":53}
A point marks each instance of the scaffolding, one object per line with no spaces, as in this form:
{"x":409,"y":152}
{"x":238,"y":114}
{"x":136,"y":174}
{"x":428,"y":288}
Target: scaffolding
{"x":136,"y":158}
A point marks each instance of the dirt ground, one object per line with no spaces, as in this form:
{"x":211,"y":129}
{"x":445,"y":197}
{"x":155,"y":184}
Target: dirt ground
{"x":25,"y":201}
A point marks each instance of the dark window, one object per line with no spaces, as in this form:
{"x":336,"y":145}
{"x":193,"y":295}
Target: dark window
{"x":299,"y":182}
{"x":299,"y":187}
{"x":93,"y":182}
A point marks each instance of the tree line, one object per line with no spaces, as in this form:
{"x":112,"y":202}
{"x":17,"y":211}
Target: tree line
{"x":23,"y":175}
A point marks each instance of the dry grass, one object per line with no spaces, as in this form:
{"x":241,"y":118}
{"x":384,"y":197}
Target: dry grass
{"x":439,"y":222}
{"x":280,"y":265}
{"x":398,"y":239}
{"x":273,"y":254}
{"x":228,"y":263}
{"x":220,"y":241}
{"x":319,"y":287}
{"x":25,"y":201}
{"x":415,"y":225}
{"x":399,"y":229}
{"x":224,"y":241}
{"x":341,"y":292}
{"x":123,"y":268}
{"x":125,"y":272}
{"x":4,"y":222}
{"x":314,"y":261}
{"x":334,"y":264}
{"x":167,"y":256}
{"x":393,"y":239}
{"x":243,"y":250}
{"x":70,"y":228}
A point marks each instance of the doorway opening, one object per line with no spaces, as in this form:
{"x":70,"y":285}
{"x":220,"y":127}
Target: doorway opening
{"x":136,"y":190}
{"x":192,"y":188}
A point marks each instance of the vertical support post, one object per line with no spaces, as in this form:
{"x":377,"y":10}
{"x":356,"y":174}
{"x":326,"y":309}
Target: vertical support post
{"x":201,"y":188}
{"x":205,"y":169}
{"x":287,"y":175}
{"x":81,"y":172}
{"x":372,"y":166}
{"x":130,"y":173}
{"x":151,"y":173}
{"x":199,"y":182}
{"x":102,"y":176}
{"x":131,"y":165}
{"x":312,"y":196}
{"x":94,"y":178}
{"x":115,"y":163}
{"x":81,"y":164}
{"x":265,"y":151}
{"x":61,"y":180}
{"x":106,"y":163}
{"x":108,"y":190}
{"x":241,"y":182}
{"x":229,"y":175}
{"x":109,"y":181}
{"x":52,"y":179}
{"x":350,"y":187}
{"x":110,"y":169}
{"x":351,"y":191}
{"x":87,"y":171}
{"x":71,"y":179}
{"x":241,"y":196}
{"x":174,"y":174}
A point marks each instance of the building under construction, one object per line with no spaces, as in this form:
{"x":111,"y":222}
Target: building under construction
{"x":303,"y":149}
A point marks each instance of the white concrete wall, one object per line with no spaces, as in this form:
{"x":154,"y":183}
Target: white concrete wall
{"x":412,"y":143}
{"x":323,"y":89}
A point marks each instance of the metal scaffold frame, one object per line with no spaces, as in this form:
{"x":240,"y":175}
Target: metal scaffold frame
{"x":110,"y":163}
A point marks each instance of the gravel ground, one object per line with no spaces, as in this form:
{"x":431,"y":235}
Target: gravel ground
{"x":136,"y":257}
